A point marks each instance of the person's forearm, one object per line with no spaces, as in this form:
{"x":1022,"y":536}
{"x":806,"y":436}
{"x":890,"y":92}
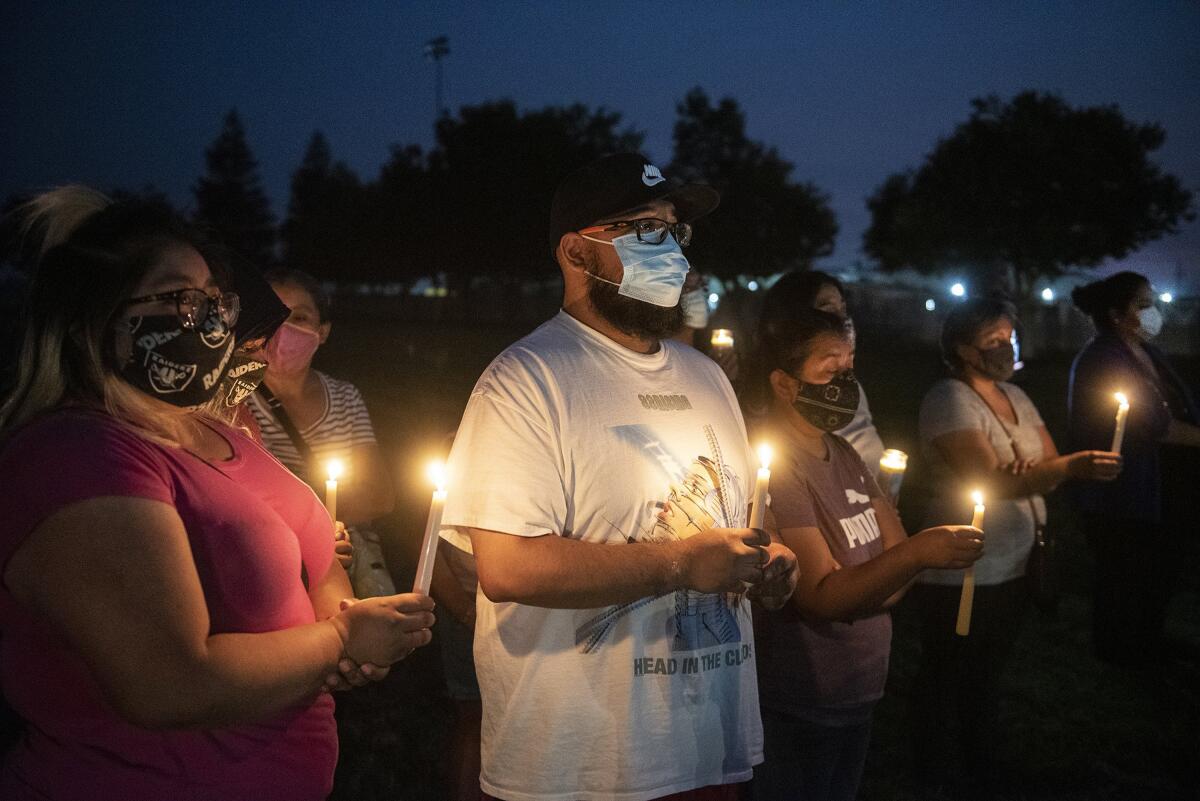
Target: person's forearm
{"x":1040,"y":479}
{"x":853,"y":592}
{"x":327,"y":594}
{"x":1181,"y":433}
{"x":559,"y":573}
{"x":234,"y":679}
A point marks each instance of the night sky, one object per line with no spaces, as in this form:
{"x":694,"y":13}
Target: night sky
{"x":125,"y":94}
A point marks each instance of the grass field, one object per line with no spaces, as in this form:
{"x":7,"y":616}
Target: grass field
{"x":1077,"y":729}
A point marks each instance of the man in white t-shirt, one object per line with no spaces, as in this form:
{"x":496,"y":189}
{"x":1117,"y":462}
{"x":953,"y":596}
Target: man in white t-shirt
{"x":601,"y":476}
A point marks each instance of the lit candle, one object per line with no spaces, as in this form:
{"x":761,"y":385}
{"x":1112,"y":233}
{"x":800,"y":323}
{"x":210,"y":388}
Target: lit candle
{"x":758,"y":507}
{"x":437,"y":474}
{"x":892,"y":465}
{"x":963,"y":626}
{"x":333,"y":468}
{"x":721,"y":338}
{"x":1122,"y":413}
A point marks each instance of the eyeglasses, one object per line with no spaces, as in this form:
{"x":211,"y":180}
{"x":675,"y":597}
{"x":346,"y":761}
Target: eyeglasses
{"x":650,"y":230}
{"x":194,"y":305}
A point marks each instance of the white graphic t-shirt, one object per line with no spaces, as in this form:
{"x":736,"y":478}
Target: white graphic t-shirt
{"x":570,"y":434}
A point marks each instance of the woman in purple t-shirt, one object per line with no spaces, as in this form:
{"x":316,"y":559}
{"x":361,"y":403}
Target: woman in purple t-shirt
{"x":170,"y":608}
{"x":823,"y":658}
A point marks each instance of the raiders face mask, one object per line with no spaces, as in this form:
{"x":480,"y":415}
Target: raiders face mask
{"x":242,"y":376}
{"x":182,"y":366}
{"x":830,"y":406}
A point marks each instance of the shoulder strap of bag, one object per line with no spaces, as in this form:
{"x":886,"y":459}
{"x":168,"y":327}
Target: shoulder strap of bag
{"x":285,"y":422}
{"x":1038,"y":524}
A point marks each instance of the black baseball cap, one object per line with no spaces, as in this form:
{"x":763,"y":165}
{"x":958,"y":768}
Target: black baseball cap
{"x":616,"y":183}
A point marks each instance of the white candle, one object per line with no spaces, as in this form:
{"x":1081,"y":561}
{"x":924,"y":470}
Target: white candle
{"x":437,"y":474}
{"x":892,"y":465}
{"x":721,"y":338}
{"x":1122,"y":413}
{"x":758,"y":506}
{"x":333,"y":469}
{"x":965,"y":602}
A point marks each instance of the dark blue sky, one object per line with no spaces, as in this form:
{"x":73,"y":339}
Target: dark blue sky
{"x":130,"y":93}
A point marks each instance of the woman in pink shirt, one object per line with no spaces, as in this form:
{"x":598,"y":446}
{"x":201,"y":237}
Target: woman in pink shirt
{"x":170,"y":608}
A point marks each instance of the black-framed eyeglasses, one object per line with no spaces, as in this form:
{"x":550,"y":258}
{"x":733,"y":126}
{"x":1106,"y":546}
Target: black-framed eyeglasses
{"x":650,"y":230}
{"x":194,"y":305}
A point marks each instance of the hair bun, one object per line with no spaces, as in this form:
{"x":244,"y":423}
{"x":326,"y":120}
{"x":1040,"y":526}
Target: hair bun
{"x":1084,"y":298}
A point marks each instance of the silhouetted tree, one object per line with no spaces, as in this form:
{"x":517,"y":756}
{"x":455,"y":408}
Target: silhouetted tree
{"x":1026,"y":189}
{"x":766,"y":221}
{"x":494,"y":172}
{"x":229,"y":197}
{"x":322,"y":234}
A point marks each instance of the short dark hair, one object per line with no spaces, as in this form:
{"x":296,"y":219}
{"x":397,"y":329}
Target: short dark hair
{"x":1114,"y":293}
{"x":296,"y":277}
{"x":966,"y":320}
{"x":783,"y":345}
{"x":793,"y":292}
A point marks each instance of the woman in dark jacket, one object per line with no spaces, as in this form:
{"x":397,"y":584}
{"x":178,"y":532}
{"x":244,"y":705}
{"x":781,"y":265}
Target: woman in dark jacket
{"x":1134,"y":523}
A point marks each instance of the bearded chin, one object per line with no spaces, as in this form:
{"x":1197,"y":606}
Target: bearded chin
{"x":634,"y":317}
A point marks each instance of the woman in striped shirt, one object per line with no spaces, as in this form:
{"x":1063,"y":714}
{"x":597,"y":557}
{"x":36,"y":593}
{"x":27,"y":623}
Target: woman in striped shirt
{"x":307,"y":417}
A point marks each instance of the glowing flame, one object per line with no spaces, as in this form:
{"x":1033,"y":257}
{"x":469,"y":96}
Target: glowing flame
{"x":764,"y":455}
{"x":437,"y":474}
{"x":977,"y":497}
{"x":1121,"y":399}
{"x":894,"y":459}
{"x":334,"y":469}
{"x":722,"y":336}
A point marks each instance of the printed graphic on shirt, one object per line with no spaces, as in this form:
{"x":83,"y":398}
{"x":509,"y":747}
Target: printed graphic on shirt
{"x":707,"y":494}
{"x":860,"y":529}
{"x":854,"y":496}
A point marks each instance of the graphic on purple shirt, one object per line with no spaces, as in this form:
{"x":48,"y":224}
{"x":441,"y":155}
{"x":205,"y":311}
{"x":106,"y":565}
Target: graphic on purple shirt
{"x":808,"y":668}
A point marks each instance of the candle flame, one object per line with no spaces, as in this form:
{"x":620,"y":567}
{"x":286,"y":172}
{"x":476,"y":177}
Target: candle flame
{"x":1121,"y":399}
{"x":977,"y":496}
{"x":722,"y":336}
{"x":334,"y":468}
{"x":437,"y":474}
{"x":764,"y":455}
{"x":894,"y":459}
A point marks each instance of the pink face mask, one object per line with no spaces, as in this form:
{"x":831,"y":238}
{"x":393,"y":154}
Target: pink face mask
{"x":291,"y":349}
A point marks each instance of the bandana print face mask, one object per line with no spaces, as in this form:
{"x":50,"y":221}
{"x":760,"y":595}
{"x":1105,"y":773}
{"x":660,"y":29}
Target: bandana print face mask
{"x":178,"y":365}
{"x":830,"y":406}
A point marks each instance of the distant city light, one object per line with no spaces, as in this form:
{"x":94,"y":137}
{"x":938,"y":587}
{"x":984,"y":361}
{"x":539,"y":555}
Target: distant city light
{"x":713,"y":300}
{"x":752,"y":286}
{"x":930,"y":304}
{"x":1166,"y":297}
{"x":1047,"y":294}
{"x":958,"y":290}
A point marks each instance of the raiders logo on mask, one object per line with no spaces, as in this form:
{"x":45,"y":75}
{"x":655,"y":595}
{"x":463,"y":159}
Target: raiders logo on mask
{"x":242,"y":377}
{"x":167,"y":358}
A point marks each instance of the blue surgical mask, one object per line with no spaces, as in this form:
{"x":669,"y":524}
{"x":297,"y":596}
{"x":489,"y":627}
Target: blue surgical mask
{"x":653,"y":273}
{"x":695,"y":308}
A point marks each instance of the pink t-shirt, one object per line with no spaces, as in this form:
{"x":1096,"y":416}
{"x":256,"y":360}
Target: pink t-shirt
{"x":251,"y":526}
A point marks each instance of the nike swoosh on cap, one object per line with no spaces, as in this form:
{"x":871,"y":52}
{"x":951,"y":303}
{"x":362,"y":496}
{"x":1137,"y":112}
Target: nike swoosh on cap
{"x":651,"y":175}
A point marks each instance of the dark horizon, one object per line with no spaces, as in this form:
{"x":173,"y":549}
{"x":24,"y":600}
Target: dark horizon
{"x":131,"y":97}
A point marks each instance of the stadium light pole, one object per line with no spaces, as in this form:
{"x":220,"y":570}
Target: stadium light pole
{"x":435,"y":50}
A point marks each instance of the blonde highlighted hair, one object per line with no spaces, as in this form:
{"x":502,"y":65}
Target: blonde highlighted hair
{"x":89,"y":253}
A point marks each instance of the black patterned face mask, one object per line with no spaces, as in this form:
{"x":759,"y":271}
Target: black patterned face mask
{"x":242,"y":376}
{"x":830,"y":406}
{"x":182,"y":366}
{"x":997,"y":363}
